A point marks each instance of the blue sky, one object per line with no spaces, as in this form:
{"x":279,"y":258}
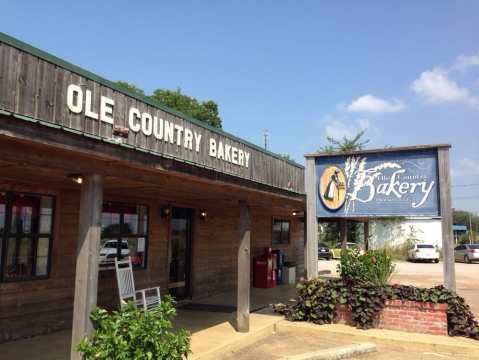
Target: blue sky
{"x":406,"y":72}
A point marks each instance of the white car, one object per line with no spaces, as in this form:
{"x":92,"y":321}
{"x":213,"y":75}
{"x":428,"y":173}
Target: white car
{"x":467,"y":253}
{"x":109,"y":251}
{"x":425,"y":252}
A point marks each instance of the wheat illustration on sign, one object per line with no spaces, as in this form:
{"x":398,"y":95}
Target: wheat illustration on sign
{"x":358,"y":177}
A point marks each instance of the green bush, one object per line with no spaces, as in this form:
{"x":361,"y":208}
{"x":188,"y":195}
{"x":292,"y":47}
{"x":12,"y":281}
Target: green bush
{"x":130,"y":333}
{"x":317,"y":300}
{"x":371,"y":267}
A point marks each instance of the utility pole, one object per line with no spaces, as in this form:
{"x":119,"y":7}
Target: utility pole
{"x":266,"y":134}
{"x":470,"y":228}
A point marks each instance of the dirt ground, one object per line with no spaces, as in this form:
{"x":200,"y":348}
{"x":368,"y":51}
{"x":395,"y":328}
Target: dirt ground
{"x":427,"y":275}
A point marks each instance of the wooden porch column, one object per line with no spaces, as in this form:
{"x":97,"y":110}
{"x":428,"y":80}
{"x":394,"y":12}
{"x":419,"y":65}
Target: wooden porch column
{"x":343,"y":235}
{"x":88,"y":248}
{"x":366,"y":235}
{"x":446,"y":214}
{"x":244,"y":266}
{"x":311,"y":220}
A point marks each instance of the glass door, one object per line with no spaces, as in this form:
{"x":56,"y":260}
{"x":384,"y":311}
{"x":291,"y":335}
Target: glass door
{"x":179,"y":253}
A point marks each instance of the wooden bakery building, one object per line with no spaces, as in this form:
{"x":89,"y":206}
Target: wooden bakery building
{"x":90,"y":172}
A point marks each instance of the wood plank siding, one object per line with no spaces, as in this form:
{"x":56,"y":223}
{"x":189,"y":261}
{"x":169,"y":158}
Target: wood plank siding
{"x":34,"y":307}
{"x":34,"y":87}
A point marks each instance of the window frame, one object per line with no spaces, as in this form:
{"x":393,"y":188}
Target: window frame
{"x":121,"y":236}
{"x":274,"y":219}
{"x":7,"y":234}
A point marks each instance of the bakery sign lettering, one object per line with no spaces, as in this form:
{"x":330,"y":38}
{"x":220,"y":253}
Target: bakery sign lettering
{"x":79,"y":101}
{"x":389,"y":184}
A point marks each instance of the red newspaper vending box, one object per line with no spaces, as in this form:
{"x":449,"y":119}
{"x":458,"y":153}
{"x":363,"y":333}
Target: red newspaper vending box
{"x":264,"y":274}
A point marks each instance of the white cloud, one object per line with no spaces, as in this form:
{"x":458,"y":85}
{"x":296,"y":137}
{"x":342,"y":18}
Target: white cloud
{"x":435,"y":86}
{"x":373,"y":104}
{"x":337,"y":128}
{"x":464,"y":62}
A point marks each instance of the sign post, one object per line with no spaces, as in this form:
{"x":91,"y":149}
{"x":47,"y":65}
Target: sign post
{"x":446,"y":214}
{"x":311,"y":221}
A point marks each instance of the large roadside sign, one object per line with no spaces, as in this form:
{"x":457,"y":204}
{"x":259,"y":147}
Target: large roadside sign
{"x":403,"y":183}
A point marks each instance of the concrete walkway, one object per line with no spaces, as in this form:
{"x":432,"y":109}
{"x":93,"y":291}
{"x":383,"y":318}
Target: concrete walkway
{"x":272,"y":337}
{"x":211,"y":333}
{"x":210,"y":330}
{"x":406,"y":345}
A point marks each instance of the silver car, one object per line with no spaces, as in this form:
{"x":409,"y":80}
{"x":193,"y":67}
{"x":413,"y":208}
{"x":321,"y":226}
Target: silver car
{"x":467,"y":253}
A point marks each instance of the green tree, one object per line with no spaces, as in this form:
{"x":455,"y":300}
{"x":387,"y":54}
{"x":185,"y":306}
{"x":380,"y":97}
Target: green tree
{"x":471,"y":221}
{"x":354,"y":143}
{"x":206,"y":111}
{"x":130,"y":87}
{"x":461,"y":217}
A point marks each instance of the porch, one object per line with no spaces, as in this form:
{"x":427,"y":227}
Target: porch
{"x":43,"y":305}
{"x":211,"y":330}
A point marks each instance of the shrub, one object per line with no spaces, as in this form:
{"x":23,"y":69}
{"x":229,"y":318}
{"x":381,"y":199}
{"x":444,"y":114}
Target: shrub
{"x":371,"y":267}
{"x":317,"y":300}
{"x":130,"y":333}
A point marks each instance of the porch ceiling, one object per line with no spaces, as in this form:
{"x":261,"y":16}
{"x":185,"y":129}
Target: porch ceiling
{"x":24,"y":163}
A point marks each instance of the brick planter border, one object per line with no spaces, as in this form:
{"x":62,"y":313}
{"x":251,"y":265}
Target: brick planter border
{"x":405,"y":315}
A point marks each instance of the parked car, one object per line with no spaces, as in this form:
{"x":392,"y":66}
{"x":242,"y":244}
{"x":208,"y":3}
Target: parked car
{"x":324,"y":252}
{"x":467,"y":253}
{"x":424,"y":252}
{"x":108,"y":251}
{"x":336,"y":252}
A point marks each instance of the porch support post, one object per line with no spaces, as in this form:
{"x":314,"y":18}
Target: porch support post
{"x":366,"y":235}
{"x":88,"y":247}
{"x":311,"y":220}
{"x":446,"y":214}
{"x":244,"y":266}
{"x":343,"y":235}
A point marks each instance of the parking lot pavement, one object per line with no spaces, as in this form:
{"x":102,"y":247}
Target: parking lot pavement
{"x":428,"y":275}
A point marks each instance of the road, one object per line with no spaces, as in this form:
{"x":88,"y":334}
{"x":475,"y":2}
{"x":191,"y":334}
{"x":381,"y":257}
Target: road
{"x":428,"y":275}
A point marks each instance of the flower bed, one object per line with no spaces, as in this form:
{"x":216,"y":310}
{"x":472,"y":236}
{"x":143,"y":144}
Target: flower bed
{"x":362,"y":297}
{"x":404,"y":315}
{"x":399,"y":307}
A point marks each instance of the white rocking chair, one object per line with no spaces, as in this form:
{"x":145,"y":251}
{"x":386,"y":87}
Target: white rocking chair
{"x":146,"y":298}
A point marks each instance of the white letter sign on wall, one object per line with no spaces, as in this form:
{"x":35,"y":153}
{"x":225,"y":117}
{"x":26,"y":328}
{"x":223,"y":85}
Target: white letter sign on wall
{"x":106,"y":109}
{"x":75,"y":98}
{"x":152,"y":125}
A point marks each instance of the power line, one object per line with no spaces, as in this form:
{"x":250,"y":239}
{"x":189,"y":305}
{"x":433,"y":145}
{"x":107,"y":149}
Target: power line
{"x":465,"y":185}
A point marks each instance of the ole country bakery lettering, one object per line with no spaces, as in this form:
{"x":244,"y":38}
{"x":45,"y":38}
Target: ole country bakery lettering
{"x":79,"y":101}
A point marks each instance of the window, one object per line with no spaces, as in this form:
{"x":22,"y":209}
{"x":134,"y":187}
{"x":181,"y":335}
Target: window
{"x":425,"y":246}
{"x":124,"y":232}
{"x":26,"y":223}
{"x":280,"y":231}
